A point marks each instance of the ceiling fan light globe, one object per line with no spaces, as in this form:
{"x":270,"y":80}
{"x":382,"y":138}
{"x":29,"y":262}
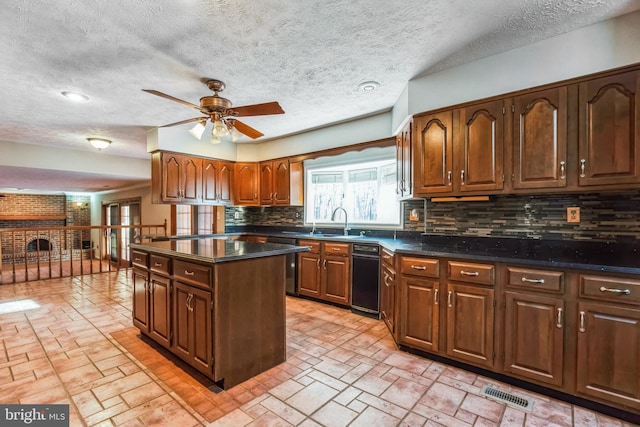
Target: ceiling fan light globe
{"x":219,"y":129}
{"x":215,"y":140}
{"x":197,"y":130}
{"x":235,"y":134}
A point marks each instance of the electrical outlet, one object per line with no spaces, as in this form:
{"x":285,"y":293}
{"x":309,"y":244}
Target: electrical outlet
{"x":573,"y":214}
{"x":236,"y":215}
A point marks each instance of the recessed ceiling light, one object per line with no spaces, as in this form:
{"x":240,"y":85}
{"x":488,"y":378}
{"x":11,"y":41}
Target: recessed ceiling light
{"x":75,"y":96}
{"x":368,"y":86}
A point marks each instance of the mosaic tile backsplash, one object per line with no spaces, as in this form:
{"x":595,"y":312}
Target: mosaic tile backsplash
{"x":604,"y":217}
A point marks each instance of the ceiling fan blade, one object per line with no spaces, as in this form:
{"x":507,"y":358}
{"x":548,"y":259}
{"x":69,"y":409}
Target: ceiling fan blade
{"x":247,"y":130}
{"x":258,"y":109}
{"x":164,"y":95}
{"x":195,"y":119}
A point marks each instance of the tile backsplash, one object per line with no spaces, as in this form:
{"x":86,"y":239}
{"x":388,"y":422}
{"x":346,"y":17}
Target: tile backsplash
{"x":603,"y":217}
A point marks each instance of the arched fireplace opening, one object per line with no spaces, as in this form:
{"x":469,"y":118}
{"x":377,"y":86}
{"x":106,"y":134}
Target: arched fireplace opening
{"x":39,"y":245}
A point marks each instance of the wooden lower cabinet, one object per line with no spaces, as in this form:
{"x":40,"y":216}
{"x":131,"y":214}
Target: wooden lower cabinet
{"x":388,"y":298}
{"x":419,"y":319}
{"x":140,"y":312}
{"x":608,"y":353}
{"x":470,"y":324}
{"x":160,"y":309}
{"x":534,"y":337}
{"x":325,"y":271}
{"x":192,"y":326}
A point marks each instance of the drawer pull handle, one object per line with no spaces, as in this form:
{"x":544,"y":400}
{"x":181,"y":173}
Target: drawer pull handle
{"x":157,"y":264}
{"x":559,"y":319}
{"x":469,"y":273}
{"x":418,"y":267}
{"x":435,"y":296}
{"x":450,"y":299}
{"x":335,"y":249}
{"x":189,"y":273}
{"x":536,"y":281}
{"x":582,"y":316}
{"x":615,"y":291}
{"x":137,"y":259}
{"x":386,"y":256}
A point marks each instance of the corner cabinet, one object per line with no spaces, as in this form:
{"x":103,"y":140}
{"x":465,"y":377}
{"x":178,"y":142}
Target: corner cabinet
{"x":176,"y":178}
{"x":609,"y":130}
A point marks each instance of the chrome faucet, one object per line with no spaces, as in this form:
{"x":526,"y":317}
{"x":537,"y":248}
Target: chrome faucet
{"x":346,"y":222}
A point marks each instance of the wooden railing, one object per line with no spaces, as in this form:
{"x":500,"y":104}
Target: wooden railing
{"x":37,"y":253}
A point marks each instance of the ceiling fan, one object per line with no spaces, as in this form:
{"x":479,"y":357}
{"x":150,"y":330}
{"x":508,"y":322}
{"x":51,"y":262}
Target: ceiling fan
{"x":223,"y":117}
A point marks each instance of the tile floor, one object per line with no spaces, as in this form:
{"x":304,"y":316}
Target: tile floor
{"x":71,"y":341}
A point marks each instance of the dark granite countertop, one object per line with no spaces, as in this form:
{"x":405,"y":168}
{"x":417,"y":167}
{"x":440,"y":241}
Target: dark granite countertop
{"x":579,"y":255}
{"x":216,"y":250}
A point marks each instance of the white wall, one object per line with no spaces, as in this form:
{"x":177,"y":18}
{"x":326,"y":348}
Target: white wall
{"x":151,"y":213}
{"x":606,"y":45}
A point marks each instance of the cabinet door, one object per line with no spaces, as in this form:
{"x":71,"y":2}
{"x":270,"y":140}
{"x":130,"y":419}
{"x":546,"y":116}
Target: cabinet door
{"x":225,"y":182}
{"x":191,"y":180}
{"x":140,"y":299}
{"x":266,"y":183}
{"x":201,"y":330}
{"x":181,"y":334}
{"x":309,"y":274}
{"x":160,"y":309}
{"x":433,"y":151}
{"x":404,"y":162}
{"x":470,"y":324}
{"x":534,"y":337}
{"x":336,"y":279}
{"x":171,"y":176}
{"x":540,"y":139}
{"x":388,"y":298}
{"x":479,"y":146}
{"x":609,"y":130}
{"x":281,"y":182}
{"x":210,"y":184}
{"x":246,"y":183}
{"x":608,"y":360}
{"x":420,"y":313}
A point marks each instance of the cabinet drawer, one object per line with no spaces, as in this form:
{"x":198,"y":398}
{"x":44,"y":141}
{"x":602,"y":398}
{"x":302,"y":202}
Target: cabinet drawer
{"x":531,"y":279}
{"x":193,"y":273}
{"x":474,"y":273}
{"x":314,"y":245}
{"x":159,"y":264}
{"x":388,"y":259}
{"x":331,"y":248}
{"x":141,"y":259}
{"x":420,"y":267}
{"x":618,"y":289}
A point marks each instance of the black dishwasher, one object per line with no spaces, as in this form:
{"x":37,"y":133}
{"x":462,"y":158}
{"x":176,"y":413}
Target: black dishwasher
{"x":365,"y":289}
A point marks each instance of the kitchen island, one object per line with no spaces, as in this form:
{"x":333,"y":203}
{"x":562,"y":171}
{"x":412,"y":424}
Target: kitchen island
{"x":218,"y":305}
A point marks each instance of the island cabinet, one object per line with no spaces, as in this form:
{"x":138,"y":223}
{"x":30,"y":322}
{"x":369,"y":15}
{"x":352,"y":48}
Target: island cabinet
{"x":608,"y":334}
{"x":176,"y":178}
{"x":388,"y":290}
{"x":539,"y":140}
{"x":325,"y":271}
{"x":217,"y":182}
{"x":419,"y":303}
{"x":609,"y":130}
{"x":213,"y":315}
{"x":534,"y":324}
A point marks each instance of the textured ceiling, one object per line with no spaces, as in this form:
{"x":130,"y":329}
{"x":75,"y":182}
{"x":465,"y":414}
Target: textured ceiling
{"x":308,"y":55}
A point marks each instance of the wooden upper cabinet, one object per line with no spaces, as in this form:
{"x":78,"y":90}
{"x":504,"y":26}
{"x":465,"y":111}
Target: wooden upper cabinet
{"x":433,"y":151}
{"x":176,"y":178}
{"x":217,"y":179}
{"x":266,"y":183}
{"x":275,"y":182}
{"x":404,"y":163}
{"x":246,"y":183}
{"x":540,"y":139}
{"x":480,"y":147}
{"x":608,"y":130}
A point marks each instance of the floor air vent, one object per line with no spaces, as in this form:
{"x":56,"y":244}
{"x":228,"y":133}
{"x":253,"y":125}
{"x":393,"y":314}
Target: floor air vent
{"x":508,"y":398}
